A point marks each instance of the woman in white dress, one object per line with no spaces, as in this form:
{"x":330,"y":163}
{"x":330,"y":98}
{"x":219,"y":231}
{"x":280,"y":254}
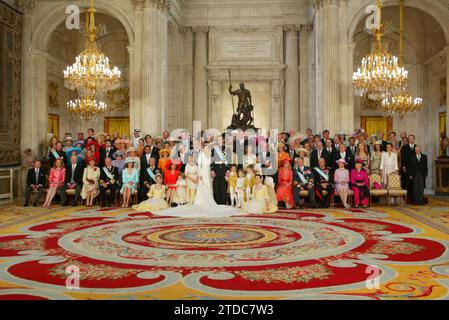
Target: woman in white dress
{"x":204,"y":205}
{"x":388,"y":163}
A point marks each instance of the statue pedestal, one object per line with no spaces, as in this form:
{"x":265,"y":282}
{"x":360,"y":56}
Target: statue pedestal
{"x":243,"y":128}
{"x":442,"y":170}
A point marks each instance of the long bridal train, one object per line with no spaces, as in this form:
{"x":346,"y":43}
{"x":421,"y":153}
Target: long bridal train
{"x":204,"y":205}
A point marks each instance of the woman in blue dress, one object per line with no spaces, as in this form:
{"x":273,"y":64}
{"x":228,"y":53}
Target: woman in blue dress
{"x":130,"y":180}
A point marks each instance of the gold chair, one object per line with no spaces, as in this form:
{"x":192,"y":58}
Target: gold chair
{"x":394,"y":188}
{"x":376,"y":193}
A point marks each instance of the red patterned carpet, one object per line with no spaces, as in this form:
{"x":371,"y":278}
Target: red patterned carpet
{"x":325,"y":254}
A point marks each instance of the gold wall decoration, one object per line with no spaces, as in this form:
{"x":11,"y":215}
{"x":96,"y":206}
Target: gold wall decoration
{"x":53,"y":99}
{"x":118,"y":99}
{"x":443,"y":91}
{"x":10,"y":86}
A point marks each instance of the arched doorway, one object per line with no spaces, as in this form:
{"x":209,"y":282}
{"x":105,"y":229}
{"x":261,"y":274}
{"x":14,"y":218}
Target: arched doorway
{"x":425,"y":58}
{"x":63,"y":46}
{"x":45,"y":27}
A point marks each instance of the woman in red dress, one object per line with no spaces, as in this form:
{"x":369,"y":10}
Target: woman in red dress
{"x":55,"y":181}
{"x":170,"y":179}
{"x":285,"y":183}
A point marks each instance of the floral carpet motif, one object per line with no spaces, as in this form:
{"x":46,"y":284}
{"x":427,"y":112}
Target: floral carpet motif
{"x":305,"y":254}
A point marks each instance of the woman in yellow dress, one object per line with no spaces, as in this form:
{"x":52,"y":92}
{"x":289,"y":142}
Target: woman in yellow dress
{"x":260,"y":201}
{"x":156,"y":201}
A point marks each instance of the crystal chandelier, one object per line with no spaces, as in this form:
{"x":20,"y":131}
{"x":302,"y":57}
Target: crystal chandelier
{"x":86,"y":108}
{"x":91,"y":72}
{"x":402,"y":103}
{"x":380,"y":74}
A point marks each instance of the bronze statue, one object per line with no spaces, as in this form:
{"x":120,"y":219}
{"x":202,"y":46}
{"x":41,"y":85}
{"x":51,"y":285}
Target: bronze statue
{"x":242,"y":118}
{"x":444,"y":146}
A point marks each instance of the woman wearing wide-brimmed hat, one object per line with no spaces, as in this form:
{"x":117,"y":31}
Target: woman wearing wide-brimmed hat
{"x":304,"y":153}
{"x":130,"y":181}
{"x":360,"y":184}
{"x":341,"y":179}
{"x":132,"y":156}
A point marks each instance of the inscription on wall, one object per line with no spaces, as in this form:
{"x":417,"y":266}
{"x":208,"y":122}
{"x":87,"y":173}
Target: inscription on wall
{"x":244,"y":49}
{"x":262,"y":46}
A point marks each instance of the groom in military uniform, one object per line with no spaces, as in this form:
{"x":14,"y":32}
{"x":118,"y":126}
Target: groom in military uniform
{"x":221,"y":158}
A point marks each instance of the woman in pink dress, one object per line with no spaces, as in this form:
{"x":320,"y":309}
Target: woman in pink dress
{"x":55,"y":181}
{"x":285,"y":184}
{"x":360,"y":185}
{"x":341,"y":179}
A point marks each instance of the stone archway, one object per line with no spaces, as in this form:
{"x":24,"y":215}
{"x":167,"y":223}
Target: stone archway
{"x":36,"y":40}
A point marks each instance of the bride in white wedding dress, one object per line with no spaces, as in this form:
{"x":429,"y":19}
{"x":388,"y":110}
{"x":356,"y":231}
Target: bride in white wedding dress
{"x":204,"y":205}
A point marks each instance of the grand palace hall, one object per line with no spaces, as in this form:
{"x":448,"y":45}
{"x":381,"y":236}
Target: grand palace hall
{"x":170,"y":66}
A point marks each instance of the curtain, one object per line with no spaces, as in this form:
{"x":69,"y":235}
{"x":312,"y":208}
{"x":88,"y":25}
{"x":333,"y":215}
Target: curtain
{"x":374,"y":125}
{"x":120,"y":125}
{"x":442,"y":122}
{"x":53,"y":125}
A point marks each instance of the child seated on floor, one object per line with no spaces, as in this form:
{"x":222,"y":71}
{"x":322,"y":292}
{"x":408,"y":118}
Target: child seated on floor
{"x":156,"y":201}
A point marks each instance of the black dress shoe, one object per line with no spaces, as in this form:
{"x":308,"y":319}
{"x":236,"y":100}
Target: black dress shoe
{"x":74,"y":204}
{"x":26,"y":205}
{"x":35,"y":204}
{"x":65,"y":204}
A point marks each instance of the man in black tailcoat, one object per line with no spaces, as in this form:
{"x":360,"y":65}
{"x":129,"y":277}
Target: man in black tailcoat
{"x":418,"y":172}
{"x":73,"y":180}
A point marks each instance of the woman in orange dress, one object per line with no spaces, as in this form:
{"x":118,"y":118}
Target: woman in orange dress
{"x":282,"y":154}
{"x":285,"y":184}
{"x":164,"y":159}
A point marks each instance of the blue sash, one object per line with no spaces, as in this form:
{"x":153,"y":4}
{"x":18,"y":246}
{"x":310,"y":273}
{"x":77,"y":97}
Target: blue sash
{"x":55,"y":154}
{"x":322,"y":174}
{"x":151,"y":173}
{"x":109,"y":174}
{"x":301,"y":176}
{"x":220,"y":154}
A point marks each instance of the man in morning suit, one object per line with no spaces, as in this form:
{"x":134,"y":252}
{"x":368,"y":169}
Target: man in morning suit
{"x":344,"y":154}
{"x":303,"y":181}
{"x":417,"y":173}
{"x":106,"y":152}
{"x":109,"y":177}
{"x":317,"y":154}
{"x":36,"y":181}
{"x":406,"y":151}
{"x":73,"y":180}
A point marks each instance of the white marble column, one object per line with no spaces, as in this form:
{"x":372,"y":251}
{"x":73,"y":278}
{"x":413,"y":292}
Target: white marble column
{"x":187,"y":101}
{"x":40,"y":96}
{"x":200,"y":108}
{"x":135,"y":73}
{"x":328,"y":60}
{"x":215,"y":117}
{"x":304,"y":76}
{"x":277,"y":121}
{"x":154,"y":66}
{"x":291,"y":115}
